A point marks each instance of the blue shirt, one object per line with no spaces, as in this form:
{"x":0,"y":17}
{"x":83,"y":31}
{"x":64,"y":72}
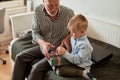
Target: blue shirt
{"x":81,"y":52}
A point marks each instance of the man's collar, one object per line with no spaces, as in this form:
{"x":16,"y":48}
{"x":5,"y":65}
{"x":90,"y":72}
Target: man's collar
{"x":59,"y":11}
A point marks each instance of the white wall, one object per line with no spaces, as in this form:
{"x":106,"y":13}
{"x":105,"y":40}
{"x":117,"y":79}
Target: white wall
{"x":108,"y":10}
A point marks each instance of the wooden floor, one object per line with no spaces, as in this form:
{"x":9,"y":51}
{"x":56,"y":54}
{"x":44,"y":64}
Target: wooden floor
{"x":5,"y":70}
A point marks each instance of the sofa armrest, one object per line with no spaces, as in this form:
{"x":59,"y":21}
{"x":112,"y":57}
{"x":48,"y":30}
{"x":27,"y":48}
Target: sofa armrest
{"x":20,"y":22}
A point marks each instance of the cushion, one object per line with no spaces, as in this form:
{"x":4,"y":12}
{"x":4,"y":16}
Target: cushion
{"x":100,"y":55}
{"x":22,"y":33}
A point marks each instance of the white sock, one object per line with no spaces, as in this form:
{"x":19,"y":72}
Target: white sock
{"x":87,"y":75}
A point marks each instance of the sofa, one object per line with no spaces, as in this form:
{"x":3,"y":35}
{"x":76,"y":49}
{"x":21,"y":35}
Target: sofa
{"x":22,"y":40}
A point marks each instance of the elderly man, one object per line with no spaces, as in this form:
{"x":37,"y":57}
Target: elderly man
{"x":48,"y":30}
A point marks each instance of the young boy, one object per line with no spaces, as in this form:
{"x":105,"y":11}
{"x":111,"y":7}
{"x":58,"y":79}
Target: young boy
{"x":81,"y":47}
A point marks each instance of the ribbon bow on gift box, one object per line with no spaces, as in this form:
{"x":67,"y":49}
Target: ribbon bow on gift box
{"x":58,"y":60}
{"x":56,"y":56}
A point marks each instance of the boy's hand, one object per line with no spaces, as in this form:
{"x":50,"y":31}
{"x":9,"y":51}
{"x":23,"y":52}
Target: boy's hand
{"x":61,"y":50}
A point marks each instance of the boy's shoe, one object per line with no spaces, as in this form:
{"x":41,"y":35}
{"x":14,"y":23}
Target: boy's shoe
{"x":94,"y":79}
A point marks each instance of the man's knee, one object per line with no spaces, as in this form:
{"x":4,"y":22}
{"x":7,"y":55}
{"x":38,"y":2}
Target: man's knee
{"x":18,"y":57}
{"x":41,"y":66}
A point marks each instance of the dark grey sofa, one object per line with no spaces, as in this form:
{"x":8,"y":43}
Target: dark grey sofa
{"x":109,"y":70}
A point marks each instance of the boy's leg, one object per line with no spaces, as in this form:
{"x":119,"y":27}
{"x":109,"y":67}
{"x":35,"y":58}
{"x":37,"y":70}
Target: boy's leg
{"x":74,"y":71}
{"x":69,"y":71}
{"x":87,"y":75}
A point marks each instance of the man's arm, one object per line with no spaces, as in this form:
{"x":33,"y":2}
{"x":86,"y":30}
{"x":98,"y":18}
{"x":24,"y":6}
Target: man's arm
{"x":66,"y":43}
{"x":36,"y":33}
{"x":37,"y":37}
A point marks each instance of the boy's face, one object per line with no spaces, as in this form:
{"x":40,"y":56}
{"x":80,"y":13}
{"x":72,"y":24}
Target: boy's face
{"x":75,"y":32}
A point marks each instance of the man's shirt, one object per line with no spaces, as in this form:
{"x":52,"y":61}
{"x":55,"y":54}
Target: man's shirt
{"x":53,"y":31}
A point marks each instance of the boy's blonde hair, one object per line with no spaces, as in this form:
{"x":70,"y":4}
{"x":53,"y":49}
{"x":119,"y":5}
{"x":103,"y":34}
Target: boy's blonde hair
{"x":79,"y":21}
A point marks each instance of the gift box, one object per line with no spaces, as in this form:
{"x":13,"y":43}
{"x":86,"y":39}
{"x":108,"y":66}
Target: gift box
{"x":58,"y":60}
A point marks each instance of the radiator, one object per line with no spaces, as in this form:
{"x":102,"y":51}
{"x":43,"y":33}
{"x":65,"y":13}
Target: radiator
{"x":104,"y":31}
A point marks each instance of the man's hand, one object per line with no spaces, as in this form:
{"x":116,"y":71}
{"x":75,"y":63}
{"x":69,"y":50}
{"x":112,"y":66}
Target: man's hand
{"x":66,"y":43}
{"x":45,"y":47}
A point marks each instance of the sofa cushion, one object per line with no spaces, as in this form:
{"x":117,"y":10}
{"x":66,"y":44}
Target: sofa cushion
{"x":22,"y":44}
{"x":22,"y":33}
{"x":100,"y":55}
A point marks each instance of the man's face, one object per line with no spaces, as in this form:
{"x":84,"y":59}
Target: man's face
{"x":51,"y":7}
